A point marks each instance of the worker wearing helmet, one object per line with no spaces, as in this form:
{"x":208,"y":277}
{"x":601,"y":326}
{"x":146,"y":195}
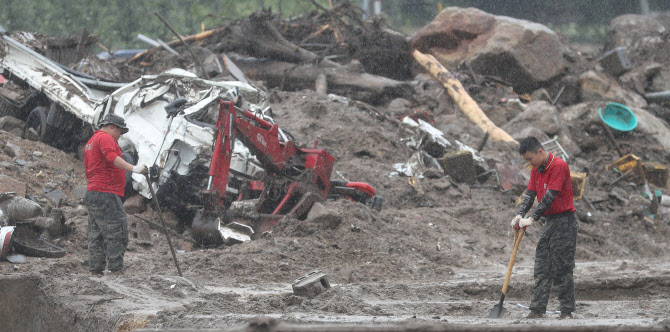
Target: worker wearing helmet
{"x":106,"y":175}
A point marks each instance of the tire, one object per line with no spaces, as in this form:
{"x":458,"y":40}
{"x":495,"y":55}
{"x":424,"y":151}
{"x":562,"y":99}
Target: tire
{"x":37,"y":119}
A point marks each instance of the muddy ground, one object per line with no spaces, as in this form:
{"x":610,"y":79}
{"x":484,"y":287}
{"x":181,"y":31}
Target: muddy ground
{"x":432,"y":259}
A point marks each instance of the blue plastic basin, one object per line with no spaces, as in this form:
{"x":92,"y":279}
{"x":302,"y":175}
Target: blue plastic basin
{"x":618,"y":117}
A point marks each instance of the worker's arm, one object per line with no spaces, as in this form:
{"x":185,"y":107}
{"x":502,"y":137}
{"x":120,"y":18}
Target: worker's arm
{"x":122,"y":164}
{"x":544,"y":204}
{"x":527,"y":203}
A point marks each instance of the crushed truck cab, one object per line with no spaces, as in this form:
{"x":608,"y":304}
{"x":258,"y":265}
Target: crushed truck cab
{"x":175,"y":128}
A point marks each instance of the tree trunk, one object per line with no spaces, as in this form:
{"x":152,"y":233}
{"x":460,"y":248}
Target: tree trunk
{"x":370,"y":88}
{"x":461,"y":97}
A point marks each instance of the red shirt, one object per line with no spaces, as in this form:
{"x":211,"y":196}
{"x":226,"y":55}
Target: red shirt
{"x":99,"y":155}
{"x":556,"y":176}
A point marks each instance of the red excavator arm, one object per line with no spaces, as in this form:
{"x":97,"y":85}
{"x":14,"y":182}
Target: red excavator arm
{"x":262,"y":139}
{"x":295,"y":178}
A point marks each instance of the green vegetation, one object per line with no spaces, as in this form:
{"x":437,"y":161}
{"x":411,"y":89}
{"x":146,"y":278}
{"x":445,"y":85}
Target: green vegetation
{"x":117,"y":22}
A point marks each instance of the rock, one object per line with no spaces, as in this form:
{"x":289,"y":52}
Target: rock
{"x":135,"y":204}
{"x":32,"y":135}
{"x":524,"y":53}
{"x":398,"y":106}
{"x":570,"y":146}
{"x":540,"y":94}
{"x":9,"y":123}
{"x":21,"y":162}
{"x":323,"y":216}
{"x":37,"y":153}
{"x":650,"y":125}
{"x":598,"y":86}
{"x":56,"y":197}
{"x":638,"y":78}
{"x":642,"y":36}
{"x":16,"y":132}
{"x":583,"y":111}
{"x":79,"y":191}
{"x":7,"y":165}
{"x":538,"y":114}
{"x":661,"y":81}
{"x":570,"y":94}
{"x":11,"y":150}
{"x":528,"y":132}
{"x":615,"y":62}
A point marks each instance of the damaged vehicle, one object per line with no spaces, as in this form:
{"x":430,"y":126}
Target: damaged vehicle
{"x":173,"y":124}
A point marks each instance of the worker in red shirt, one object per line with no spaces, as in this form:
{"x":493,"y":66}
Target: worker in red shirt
{"x":555,"y":252}
{"x":106,"y":175}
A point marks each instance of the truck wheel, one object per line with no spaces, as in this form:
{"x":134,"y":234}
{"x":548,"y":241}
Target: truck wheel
{"x":37,"y":119}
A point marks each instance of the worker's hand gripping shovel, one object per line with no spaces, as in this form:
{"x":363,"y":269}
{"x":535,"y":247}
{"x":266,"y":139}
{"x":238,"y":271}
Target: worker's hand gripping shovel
{"x":160,"y":214}
{"x":498,"y":309}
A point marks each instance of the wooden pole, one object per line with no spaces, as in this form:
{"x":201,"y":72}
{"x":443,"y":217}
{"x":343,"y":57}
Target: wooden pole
{"x":195,"y":58}
{"x":465,"y":103}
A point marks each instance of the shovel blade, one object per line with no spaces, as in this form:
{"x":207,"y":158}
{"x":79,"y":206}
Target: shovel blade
{"x":497,"y":311}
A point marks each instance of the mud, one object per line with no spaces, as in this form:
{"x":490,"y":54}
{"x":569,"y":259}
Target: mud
{"x":433,"y":259}
{"x":437,"y":258}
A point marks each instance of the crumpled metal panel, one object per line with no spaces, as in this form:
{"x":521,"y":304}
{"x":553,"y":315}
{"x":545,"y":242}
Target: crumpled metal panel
{"x":172,"y":144}
{"x":155,"y":137}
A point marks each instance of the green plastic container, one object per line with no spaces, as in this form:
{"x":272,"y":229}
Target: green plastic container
{"x":618,"y":117}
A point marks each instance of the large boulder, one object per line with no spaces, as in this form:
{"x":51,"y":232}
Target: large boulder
{"x":524,"y":53}
{"x":598,"y":86}
{"x":643,"y":37}
{"x":538,"y":114}
{"x":530,"y":132}
{"x":650,"y":125}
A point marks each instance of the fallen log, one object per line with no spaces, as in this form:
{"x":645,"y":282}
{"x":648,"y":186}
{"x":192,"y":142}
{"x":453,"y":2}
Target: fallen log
{"x":256,"y":36}
{"x":461,"y":97}
{"x":342,"y":81}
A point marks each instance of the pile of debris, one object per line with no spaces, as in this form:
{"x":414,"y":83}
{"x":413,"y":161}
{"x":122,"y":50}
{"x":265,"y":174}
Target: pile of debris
{"x":514,"y":79}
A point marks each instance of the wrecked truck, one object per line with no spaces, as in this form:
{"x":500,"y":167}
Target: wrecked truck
{"x":172,"y":119}
{"x":63,"y":107}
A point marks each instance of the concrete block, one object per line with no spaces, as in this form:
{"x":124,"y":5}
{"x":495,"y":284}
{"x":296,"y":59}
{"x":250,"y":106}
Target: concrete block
{"x":311,"y":284}
{"x":460,"y":166}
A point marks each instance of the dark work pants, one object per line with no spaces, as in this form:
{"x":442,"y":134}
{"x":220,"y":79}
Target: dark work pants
{"x":555,"y":262}
{"x":107,"y":230}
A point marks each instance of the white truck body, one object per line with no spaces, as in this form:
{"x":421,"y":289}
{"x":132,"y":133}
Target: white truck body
{"x":176,"y":144}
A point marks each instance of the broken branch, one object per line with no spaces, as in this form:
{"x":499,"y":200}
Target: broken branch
{"x":460,"y":96}
{"x":195,"y":58}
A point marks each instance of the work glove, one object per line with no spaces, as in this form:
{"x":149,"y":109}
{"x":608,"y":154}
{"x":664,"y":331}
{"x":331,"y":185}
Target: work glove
{"x":141,"y":169}
{"x":515,"y":221}
{"x":525,"y":222}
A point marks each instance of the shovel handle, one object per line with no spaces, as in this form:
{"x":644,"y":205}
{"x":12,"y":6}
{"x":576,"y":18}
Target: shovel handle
{"x":511,"y":260}
{"x":160,"y":215}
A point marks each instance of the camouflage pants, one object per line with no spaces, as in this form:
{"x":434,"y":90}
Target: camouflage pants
{"x":107,"y":230}
{"x":555,"y":262}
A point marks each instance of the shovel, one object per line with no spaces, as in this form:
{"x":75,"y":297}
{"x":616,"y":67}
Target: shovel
{"x":498,"y":309}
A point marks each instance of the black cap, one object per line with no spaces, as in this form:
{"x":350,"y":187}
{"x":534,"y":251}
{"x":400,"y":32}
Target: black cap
{"x":115,"y":120}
